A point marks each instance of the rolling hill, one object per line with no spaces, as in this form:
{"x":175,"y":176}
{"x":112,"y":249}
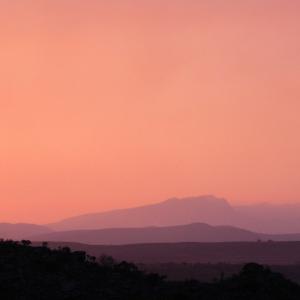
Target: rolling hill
{"x":197,"y":232}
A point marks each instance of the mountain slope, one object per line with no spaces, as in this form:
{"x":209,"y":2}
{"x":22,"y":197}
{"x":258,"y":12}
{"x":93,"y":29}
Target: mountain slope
{"x":21,"y":230}
{"x":279,"y":218}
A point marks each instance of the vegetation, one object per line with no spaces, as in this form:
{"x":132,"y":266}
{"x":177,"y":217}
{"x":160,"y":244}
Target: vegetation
{"x":39,"y":273}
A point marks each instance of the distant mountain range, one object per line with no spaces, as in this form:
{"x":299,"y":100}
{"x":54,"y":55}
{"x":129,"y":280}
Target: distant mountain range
{"x":265,"y":218}
{"x":204,"y":209}
{"x":174,"y":220}
{"x":197,"y":232}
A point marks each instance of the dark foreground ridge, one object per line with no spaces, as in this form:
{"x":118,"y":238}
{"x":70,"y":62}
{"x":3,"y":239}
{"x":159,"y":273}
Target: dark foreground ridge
{"x":41,"y":273}
{"x":266,"y":253}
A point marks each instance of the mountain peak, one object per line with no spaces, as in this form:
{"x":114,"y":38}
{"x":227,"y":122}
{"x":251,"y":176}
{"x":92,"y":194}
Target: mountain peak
{"x":197,"y":199}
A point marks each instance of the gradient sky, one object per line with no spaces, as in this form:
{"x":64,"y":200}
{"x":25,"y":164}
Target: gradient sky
{"x":111,"y":104}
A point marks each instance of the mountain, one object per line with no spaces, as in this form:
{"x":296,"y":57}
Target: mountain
{"x":197,"y":232}
{"x":21,"y":230}
{"x":204,"y":209}
{"x":212,"y":210}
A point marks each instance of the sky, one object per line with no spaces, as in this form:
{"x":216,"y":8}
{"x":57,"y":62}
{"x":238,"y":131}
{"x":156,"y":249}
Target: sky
{"x":114,"y":104}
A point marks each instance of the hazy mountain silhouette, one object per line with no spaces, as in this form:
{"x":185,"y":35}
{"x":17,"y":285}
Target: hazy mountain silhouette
{"x":21,"y":230}
{"x":265,"y":218}
{"x":204,"y":209}
{"x":197,"y":232}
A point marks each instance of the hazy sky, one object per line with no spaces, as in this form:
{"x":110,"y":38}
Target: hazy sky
{"x":107,"y":104}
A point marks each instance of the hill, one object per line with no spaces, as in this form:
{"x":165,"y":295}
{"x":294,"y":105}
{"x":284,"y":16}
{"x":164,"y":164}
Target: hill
{"x":197,"y":232}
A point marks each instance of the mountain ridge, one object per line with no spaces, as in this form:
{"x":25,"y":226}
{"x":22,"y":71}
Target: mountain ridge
{"x":196,"y":232}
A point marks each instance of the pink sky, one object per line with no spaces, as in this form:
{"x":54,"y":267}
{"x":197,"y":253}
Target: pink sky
{"x":111,"y":104}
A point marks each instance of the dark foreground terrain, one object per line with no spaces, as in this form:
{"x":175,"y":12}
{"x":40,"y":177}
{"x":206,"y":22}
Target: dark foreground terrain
{"x":42,"y":273}
{"x":211,"y":272}
{"x":266,"y":253}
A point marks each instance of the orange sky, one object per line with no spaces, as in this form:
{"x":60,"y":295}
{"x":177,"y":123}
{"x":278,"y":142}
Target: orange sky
{"x":108,"y":104}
